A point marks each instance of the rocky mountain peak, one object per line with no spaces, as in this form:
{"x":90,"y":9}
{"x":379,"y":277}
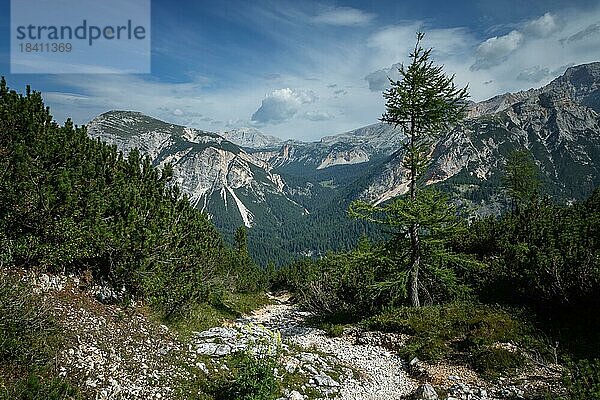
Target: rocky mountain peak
{"x":582,"y":76}
{"x":497,"y":103}
{"x":251,"y":138}
{"x":581,"y":82}
{"x":558,"y":123}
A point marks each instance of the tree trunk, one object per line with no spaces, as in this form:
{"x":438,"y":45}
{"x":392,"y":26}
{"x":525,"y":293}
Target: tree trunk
{"x":415,"y":244}
{"x":413,"y":281}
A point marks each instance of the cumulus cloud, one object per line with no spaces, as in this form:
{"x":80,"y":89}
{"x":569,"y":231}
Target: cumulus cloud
{"x":392,"y":43}
{"x":380,"y":79}
{"x":282,"y":104}
{"x":543,"y":26}
{"x":496,"y":50}
{"x":341,"y":64}
{"x":538,"y":73}
{"x":344,"y":16}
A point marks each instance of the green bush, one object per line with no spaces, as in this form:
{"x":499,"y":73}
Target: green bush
{"x":582,"y":380}
{"x":251,"y":378}
{"x":38,"y":386}
{"x":337,"y":287}
{"x":493,"y":361}
{"x":69,"y":203}
{"x":356,"y":284}
{"x":333,"y":330}
{"x":244,"y":375}
{"x":544,"y":257}
{"x":467,"y":331}
{"x":214,"y":312}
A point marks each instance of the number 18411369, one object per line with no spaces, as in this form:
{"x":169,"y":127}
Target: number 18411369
{"x":45,"y":47}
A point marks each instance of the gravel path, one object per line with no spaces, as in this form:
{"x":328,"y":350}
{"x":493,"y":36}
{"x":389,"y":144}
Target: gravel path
{"x":382,"y":375}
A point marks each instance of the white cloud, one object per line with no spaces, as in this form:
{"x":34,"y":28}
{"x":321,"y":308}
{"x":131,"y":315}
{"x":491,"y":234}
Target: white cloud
{"x":317,"y":116}
{"x":543,"y":26}
{"x":590,"y":30}
{"x":528,"y":56}
{"x":496,"y":50}
{"x":344,"y":16}
{"x":180,"y":103}
{"x":380,"y":79}
{"x":453,"y":47}
{"x":392,"y":44}
{"x":547,"y":46}
{"x":291,"y":109}
{"x":282,"y":104}
{"x":534,"y":74}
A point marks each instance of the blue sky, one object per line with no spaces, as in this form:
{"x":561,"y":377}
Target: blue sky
{"x":306,"y":69}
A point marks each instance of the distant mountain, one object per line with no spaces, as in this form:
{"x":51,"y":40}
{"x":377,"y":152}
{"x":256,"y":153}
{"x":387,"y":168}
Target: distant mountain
{"x":294,"y":194}
{"x":220,"y":178}
{"x":251,"y":138}
{"x":354,"y":147}
{"x":236,"y":186}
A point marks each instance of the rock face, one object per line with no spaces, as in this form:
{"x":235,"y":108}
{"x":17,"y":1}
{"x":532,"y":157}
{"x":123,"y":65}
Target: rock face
{"x":217,"y":175}
{"x":251,"y":138}
{"x":370,"y":143}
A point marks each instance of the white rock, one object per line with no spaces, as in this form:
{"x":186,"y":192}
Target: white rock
{"x":295,"y":395}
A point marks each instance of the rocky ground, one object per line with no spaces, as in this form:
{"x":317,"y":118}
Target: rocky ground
{"x":373,"y":372}
{"x":120,"y":353}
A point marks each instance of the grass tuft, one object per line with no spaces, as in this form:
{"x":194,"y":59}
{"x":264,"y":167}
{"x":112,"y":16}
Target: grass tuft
{"x":29,"y":341}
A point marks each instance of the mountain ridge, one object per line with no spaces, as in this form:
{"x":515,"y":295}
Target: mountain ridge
{"x":206,"y":166}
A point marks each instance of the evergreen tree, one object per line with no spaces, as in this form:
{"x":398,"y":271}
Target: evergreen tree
{"x":425,"y":103}
{"x":241,"y":241}
{"x":522,"y":179}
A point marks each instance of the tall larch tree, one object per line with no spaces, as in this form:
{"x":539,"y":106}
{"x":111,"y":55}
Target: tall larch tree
{"x":425,"y":103}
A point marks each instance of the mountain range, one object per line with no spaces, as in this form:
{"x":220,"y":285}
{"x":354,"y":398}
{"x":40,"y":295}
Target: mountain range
{"x":292,"y":195}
